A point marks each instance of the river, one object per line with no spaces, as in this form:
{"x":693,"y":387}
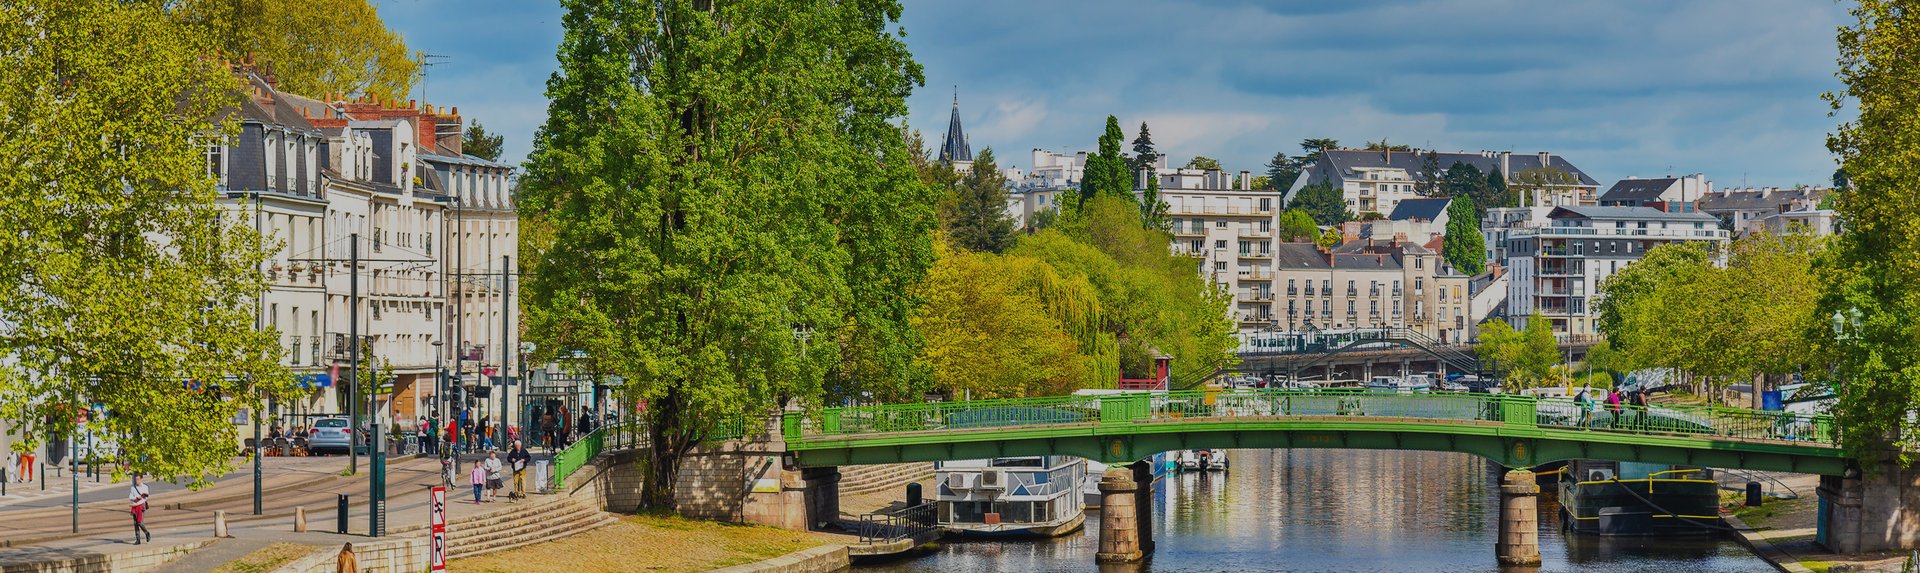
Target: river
{"x":1349,"y":511}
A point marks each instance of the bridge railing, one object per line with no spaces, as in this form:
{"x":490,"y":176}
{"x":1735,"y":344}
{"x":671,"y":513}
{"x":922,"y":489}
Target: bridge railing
{"x":1440,"y":407}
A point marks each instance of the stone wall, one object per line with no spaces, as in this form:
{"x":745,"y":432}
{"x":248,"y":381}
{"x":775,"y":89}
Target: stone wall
{"x":1876,"y":512}
{"x":614,"y":482}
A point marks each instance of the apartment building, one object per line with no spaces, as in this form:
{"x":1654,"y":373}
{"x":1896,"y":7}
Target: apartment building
{"x":1376,"y":181}
{"x":1370,"y":284}
{"x":1746,"y":210}
{"x":1670,"y":194}
{"x":1556,"y":269}
{"x":1230,"y":228}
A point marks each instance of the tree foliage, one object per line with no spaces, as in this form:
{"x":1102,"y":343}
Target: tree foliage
{"x":734,"y":219}
{"x":1382,"y":145}
{"x":127,"y":286}
{"x":1665,"y":264}
{"x":990,"y":333}
{"x":1868,"y":279}
{"x":478,"y":143}
{"x":1463,"y":246}
{"x":315,"y":47}
{"x":1427,"y":182}
{"x":1282,"y":171}
{"x":1297,"y":226}
{"x":1323,"y":202}
{"x":980,"y":220}
{"x":1144,"y":156}
{"x":1203,"y":163}
{"x":1106,"y":172}
{"x":1498,"y":195}
{"x":1527,"y":357}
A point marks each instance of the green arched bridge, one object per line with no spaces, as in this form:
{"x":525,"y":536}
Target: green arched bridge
{"x":1513,"y":430}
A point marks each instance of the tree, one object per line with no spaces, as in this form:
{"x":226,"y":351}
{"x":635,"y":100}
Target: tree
{"x":1315,"y":145}
{"x":981,"y":222}
{"x":1463,"y":246}
{"x":1463,"y":180}
{"x":1525,"y":356}
{"x":990,"y":336}
{"x":1262,"y":182}
{"x":478,"y":143}
{"x":1665,"y":264}
{"x":1154,"y":212}
{"x":1382,"y":145}
{"x":1427,"y":182}
{"x":1297,"y":226}
{"x":1323,"y":202}
{"x":1203,"y":163}
{"x":127,"y":288}
{"x":1330,"y":238}
{"x":1497,"y":193}
{"x":314,"y":47}
{"x":1143,"y":154}
{"x":1106,"y":171}
{"x":721,"y":267}
{"x":1282,"y":171}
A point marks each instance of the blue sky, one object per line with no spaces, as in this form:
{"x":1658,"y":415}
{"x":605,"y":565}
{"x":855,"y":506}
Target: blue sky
{"x":1729,"y":88}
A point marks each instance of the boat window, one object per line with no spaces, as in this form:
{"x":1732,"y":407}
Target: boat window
{"x":1019,"y":462}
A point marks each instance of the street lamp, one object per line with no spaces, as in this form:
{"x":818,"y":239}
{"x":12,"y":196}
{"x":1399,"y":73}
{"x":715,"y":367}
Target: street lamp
{"x":258,"y":300}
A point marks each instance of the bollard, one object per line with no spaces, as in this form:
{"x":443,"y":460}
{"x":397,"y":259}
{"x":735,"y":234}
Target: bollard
{"x":343,"y":514}
{"x":219,"y":524}
{"x":913,"y":494}
{"x":300,"y":519}
{"x":1754,"y":499}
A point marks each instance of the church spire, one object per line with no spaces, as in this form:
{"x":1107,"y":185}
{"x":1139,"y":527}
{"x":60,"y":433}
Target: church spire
{"x":955,"y":149}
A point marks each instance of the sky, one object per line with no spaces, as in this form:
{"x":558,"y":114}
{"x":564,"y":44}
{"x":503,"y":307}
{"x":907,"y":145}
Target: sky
{"x":1729,"y":88}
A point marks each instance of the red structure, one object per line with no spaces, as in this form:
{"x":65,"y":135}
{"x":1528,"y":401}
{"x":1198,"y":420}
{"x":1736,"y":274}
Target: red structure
{"x":1162,"y":363}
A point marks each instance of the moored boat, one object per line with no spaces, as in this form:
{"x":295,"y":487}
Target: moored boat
{"x":1632,"y":498}
{"x":1016,"y":496}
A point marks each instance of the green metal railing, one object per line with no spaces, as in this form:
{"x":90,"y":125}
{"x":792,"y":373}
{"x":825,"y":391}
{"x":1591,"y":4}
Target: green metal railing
{"x":622,"y":437}
{"x":1117,"y":411}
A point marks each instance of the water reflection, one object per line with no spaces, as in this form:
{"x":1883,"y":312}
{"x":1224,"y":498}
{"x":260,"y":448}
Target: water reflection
{"x":1340,"y":511}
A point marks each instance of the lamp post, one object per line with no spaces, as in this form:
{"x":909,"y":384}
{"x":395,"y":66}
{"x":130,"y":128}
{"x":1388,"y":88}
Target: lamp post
{"x":258,"y":301}
{"x":439,"y":393}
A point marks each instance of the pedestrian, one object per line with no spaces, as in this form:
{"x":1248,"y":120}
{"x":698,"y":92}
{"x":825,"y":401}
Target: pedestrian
{"x":517,"y":460}
{"x":496,"y":475}
{"x":346,"y":562}
{"x":486,"y":433}
{"x":586,"y":421}
{"x":1640,"y":407}
{"x":1585,"y":405}
{"x":478,"y":478}
{"x":26,"y":466}
{"x":453,"y":435}
{"x":137,"y":499}
{"x":12,"y":472}
{"x":1613,"y":405}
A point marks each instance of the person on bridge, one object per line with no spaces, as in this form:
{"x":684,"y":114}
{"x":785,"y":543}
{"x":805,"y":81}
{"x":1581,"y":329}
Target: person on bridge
{"x":137,"y":499}
{"x":1613,"y":405}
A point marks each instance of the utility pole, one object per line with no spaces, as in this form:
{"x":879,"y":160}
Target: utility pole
{"x":257,"y":324}
{"x":506,"y":282}
{"x":353,"y":348}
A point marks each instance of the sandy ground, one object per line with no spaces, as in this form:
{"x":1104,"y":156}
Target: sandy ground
{"x":647,"y":543}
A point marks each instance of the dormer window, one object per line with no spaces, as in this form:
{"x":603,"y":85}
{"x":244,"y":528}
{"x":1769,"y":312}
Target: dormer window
{"x":216,"y":163}
{"x":273,"y":161}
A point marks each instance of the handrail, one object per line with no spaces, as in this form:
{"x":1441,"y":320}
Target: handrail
{"x":1511,"y":410}
{"x":894,"y":525}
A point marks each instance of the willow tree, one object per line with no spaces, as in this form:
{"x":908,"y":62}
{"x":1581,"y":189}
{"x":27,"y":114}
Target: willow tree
{"x":127,"y":289}
{"x":1871,"y":269}
{"x":731,"y":219}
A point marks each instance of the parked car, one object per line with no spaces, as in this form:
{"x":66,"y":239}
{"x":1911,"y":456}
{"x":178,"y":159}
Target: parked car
{"x":330,"y":434}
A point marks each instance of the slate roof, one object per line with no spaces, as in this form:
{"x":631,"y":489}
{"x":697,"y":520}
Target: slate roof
{"x":1298,"y":256}
{"x":1637,"y":190}
{"x":1420,"y":209}
{"x":1628,"y":214}
{"x":1347,"y":160}
{"x":955,"y":148}
{"x":1756,"y":200}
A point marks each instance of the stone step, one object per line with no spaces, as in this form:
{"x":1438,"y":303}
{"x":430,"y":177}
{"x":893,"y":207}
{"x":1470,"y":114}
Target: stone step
{"x":519,"y":520}
{"x":529,"y":534}
{"x":602,"y":521}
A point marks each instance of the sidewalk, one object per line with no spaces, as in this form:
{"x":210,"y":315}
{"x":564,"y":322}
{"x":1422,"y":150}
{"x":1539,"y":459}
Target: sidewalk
{"x":57,"y":485}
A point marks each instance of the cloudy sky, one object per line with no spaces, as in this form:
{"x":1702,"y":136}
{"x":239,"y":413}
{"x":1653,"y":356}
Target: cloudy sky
{"x":1729,"y":88}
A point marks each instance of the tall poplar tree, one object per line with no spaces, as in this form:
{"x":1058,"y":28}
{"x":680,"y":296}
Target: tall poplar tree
{"x":729,"y":218}
{"x":126,"y":288}
{"x":980,"y":221}
{"x":1106,"y":171}
{"x":1463,"y":245}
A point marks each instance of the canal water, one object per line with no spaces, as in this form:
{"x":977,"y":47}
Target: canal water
{"x":1353,"y":511}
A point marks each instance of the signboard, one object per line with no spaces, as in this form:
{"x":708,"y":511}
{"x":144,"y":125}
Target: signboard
{"x":766,"y":485}
{"x":437,"y":543}
{"x":437,"y":552}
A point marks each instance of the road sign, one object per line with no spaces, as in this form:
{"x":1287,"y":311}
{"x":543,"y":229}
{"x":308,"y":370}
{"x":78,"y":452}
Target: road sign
{"x":437,"y":552}
{"x":439,"y":509}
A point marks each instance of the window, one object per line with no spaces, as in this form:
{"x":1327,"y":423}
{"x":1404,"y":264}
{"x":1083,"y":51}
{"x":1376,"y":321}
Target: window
{"x":1266,"y":204}
{"x":1419,"y":284}
{"x":1043,"y":201}
{"x":216,"y":163}
{"x":1246,"y":248}
{"x":1199,"y":245}
{"x":1265,"y":225}
{"x":1219,"y":265}
{"x":1219,"y":224}
{"x":1178,"y":224}
{"x":1419,"y":262}
{"x":1220,"y":243}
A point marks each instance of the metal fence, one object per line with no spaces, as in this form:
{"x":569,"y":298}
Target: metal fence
{"x":1249,"y":404}
{"x":623,"y":436}
{"x":898,"y":524}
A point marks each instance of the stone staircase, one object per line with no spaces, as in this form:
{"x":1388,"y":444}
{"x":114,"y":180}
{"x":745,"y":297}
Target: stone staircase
{"x":500,"y":531}
{"x":855,"y":480}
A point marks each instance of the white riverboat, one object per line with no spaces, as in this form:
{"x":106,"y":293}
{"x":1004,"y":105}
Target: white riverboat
{"x":1018,"y":496}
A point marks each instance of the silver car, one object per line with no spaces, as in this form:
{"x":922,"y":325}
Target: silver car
{"x":330,"y":434}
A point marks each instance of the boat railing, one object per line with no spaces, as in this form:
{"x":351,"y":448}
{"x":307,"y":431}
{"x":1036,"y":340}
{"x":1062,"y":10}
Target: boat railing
{"x":898,"y":524}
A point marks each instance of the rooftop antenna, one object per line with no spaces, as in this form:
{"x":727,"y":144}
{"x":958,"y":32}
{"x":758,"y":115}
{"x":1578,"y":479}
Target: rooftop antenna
{"x":427,"y":61}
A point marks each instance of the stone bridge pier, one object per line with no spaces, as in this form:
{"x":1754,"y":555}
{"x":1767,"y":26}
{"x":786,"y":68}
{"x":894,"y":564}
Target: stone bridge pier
{"x":1126,"y":513}
{"x":1873,"y":510}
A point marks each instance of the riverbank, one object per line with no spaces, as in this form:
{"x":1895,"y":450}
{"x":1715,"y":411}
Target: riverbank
{"x":661,"y":543}
{"x":1782,"y":532}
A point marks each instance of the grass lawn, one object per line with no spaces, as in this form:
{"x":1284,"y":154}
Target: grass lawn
{"x":661,"y":543}
{"x":266,"y":558}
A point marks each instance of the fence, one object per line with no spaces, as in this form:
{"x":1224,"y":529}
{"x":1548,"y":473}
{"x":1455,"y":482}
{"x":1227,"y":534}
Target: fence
{"x":903,"y":523}
{"x":624,"y":436}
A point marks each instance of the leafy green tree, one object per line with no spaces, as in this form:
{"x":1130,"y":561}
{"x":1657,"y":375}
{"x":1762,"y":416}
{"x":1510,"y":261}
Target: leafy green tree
{"x":1463,"y":246}
{"x":1144,"y":155}
{"x":1497,"y":193}
{"x":1665,"y":264}
{"x":1382,"y":145}
{"x":1106,"y":171}
{"x":1154,"y":211}
{"x":1427,"y":182}
{"x":478,"y":143}
{"x":989,"y":333}
{"x":1330,"y":238}
{"x":1869,"y":276}
{"x":721,"y":267}
{"x":1262,"y":182}
{"x":1526,"y":357}
{"x":1203,"y":162}
{"x":127,"y":286}
{"x":315,"y":47}
{"x":1323,"y":202}
{"x":1315,"y":145}
{"x":1463,"y":180}
{"x":1297,"y":226}
{"x":981,"y":222}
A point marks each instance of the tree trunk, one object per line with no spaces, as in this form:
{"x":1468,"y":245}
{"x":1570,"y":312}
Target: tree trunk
{"x":668,"y":442}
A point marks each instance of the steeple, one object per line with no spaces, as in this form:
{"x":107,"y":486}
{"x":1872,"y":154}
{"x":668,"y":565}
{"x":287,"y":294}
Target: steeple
{"x":956,"y":149}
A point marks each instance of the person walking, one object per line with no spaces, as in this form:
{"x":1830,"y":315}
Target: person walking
{"x":494,"y":476}
{"x":1613,"y":405}
{"x":1585,"y":405}
{"x":453,"y":435}
{"x":137,"y":498}
{"x":517,"y":460}
{"x":478,"y":478}
{"x":26,"y":466}
{"x":345,"y":562}
{"x":12,"y":473}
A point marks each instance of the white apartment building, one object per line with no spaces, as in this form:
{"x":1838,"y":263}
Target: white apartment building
{"x":1052,"y":170}
{"x":1502,"y":222}
{"x":1232,"y":231}
{"x":482,"y":260}
{"x":1748,"y":209}
{"x":1557,"y":269}
{"x":1376,"y":181}
{"x":1371,"y":284}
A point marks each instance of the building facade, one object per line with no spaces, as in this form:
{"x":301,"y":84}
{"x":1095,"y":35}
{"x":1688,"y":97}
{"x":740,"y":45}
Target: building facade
{"x":1750,"y":209}
{"x":1370,"y":284}
{"x":1230,"y":228}
{"x":1670,"y":194}
{"x":1376,"y":181}
{"x":1556,"y":269}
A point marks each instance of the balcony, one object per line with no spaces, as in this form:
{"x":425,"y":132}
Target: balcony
{"x":1256,"y":296}
{"x":1250,"y":234}
{"x":1256,"y":275}
{"x":1256,"y":254}
{"x":294,"y":354}
{"x":1178,"y":232}
{"x":1555,"y":232}
{"x":1221,"y":210}
{"x":1292,"y":291}
{"x":1351,"y":292}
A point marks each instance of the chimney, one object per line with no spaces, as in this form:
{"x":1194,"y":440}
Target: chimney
{"x":1246,"y":181}
{"x":1545,"y":158}
{"x":1506,"y":170}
